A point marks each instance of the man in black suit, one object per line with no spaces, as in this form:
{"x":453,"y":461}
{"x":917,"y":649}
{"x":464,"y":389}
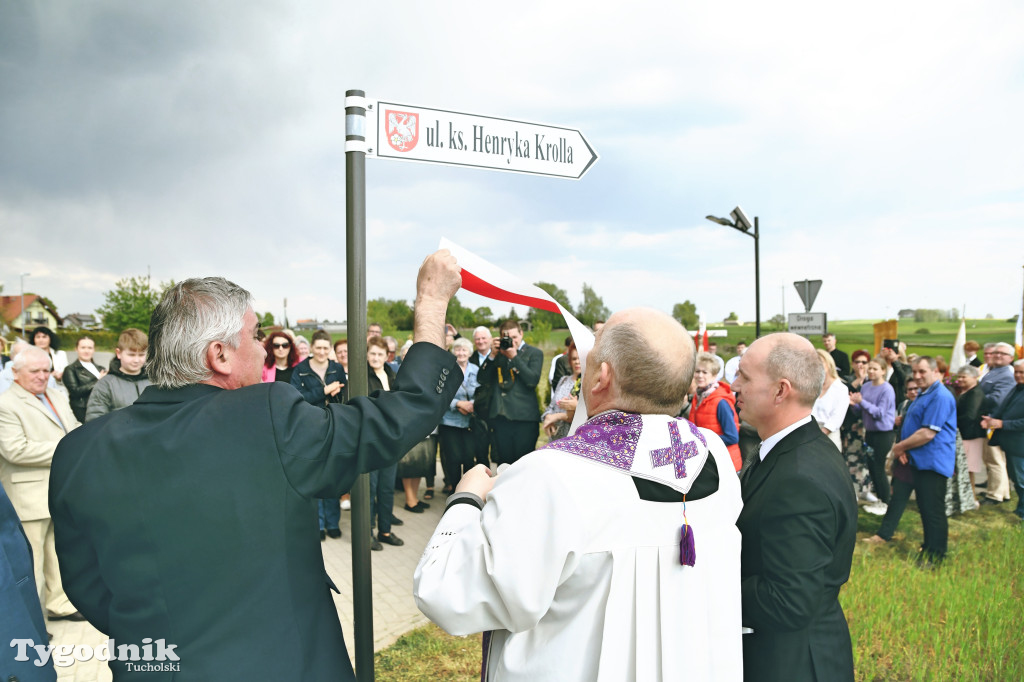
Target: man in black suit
{"x":799,"y":521}
{"x":191,"y":516}
{"x":482,"y":435}
{"x":841,"y":359}
{"x":512,"y":375}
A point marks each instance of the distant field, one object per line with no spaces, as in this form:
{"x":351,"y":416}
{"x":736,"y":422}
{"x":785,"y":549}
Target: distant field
{"x":854,"y":334}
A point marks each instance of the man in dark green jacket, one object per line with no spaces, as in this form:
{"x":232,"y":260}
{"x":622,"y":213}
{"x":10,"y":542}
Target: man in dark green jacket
{"x":510,"y":377}
{"x":188,"y":521}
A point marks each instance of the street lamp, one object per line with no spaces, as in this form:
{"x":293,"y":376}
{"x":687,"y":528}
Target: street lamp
{"x":740,"y":222}
{"x":23,"y":276}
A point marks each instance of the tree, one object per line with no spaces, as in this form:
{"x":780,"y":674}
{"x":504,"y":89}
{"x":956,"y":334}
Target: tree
{"x":779,"y":321}
{"x":483,"y":317}
{"x":686,"y":314}
{"x":402,"y":315}
{"x":732,"y":317}
{"x":512,"y":315}
{"x":131,"y":303}
{"x":458,"y":314}
{"x":539,"y":336}
{"x":553,"y":320}
{"x":266,"y":319}
{"x":390,"y":314}
{"x":592,"y":308}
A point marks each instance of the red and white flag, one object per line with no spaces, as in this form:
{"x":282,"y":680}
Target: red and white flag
{"x":958,"y":357}
{"x":488,"y":280}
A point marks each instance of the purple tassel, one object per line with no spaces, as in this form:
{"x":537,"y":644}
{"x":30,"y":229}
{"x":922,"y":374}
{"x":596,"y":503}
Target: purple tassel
{"x":687,"y":552}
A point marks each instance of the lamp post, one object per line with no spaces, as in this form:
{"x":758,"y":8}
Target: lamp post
{"x":739,"y":221}
{"x":23,"y":276}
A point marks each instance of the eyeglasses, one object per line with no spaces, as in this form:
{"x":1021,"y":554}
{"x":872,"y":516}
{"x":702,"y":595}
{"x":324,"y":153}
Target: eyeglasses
{"x":283,"y":345}
{"x":860,"y":362}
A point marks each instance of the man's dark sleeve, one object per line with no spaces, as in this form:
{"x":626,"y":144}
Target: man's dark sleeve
{"x":797,"y":533}
{"x":323,"y":450}
{"x":842,"y":361}
{"x":530,"y":364}
{"x":79,"y":564}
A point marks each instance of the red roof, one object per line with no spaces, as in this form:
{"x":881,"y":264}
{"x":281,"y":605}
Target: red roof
{"x":10,"y":306}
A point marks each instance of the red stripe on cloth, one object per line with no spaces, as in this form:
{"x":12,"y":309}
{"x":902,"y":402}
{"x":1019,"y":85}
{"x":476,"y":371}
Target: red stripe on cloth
{"x":471,"y":282}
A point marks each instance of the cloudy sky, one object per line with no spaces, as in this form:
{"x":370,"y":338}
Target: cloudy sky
{"x":879,"y":143}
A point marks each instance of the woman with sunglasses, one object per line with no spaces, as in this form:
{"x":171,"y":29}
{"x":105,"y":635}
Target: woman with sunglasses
{"x":282,"y":357}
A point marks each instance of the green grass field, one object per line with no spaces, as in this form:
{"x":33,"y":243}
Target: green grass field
{"x":850,"y":335}
{"x":961,"y":622}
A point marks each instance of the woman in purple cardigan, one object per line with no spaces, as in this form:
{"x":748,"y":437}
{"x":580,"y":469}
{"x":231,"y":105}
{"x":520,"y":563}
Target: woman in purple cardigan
{"x":877,"y":404}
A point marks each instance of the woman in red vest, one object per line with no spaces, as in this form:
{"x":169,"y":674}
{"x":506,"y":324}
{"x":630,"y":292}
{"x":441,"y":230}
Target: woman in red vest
{"x":714,"y":406}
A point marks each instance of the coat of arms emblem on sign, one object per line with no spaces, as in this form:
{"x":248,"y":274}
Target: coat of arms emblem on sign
{"x":403,"y":130}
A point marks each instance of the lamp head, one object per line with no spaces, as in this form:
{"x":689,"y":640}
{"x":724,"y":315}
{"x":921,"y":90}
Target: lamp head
{"x":721,"y":221}
{"x":741,"y":220}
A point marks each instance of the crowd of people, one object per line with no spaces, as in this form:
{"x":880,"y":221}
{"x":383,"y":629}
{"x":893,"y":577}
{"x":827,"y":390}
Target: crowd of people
{"x":728,"y":487}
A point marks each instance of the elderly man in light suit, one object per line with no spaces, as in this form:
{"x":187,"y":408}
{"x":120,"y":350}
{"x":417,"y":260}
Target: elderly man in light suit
{"x":33,"y":418}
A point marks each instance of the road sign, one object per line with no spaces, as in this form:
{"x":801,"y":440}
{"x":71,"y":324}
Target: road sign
{"x":808,"y":324}
{"x":411,"y":133}
{"x":808,"y":290}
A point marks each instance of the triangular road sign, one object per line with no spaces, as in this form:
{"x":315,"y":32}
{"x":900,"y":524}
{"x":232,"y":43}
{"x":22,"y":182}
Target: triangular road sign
{"x":808,"y":290}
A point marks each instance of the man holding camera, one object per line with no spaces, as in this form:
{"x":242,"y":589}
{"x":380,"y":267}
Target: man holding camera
{"x":512,"y":375}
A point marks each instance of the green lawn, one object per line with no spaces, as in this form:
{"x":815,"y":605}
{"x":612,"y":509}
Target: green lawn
{"x":961,"y":622}
{"x":850,"y":335}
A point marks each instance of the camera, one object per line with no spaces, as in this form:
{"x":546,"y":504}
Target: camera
{"x":506,"y":342}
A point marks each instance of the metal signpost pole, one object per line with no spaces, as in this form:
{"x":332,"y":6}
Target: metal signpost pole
{"x":739,"y":221}
{"x":24,"y":317}
{"x":355,"y":266}
{"x":757,"y":279}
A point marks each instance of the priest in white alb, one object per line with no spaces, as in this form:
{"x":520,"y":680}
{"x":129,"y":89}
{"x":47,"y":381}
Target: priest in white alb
{"x":611,"y":554}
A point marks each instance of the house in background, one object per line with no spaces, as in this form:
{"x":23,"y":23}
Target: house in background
{"x":80,"y":321}
{"x":306,"y":325}
{"x":38,"y":312}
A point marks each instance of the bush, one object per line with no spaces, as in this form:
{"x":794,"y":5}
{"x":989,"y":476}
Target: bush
{"x":104,"y":340}
{"x":922,"y":330}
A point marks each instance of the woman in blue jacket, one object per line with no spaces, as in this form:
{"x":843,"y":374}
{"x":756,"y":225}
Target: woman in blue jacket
{"x":321,"y":381}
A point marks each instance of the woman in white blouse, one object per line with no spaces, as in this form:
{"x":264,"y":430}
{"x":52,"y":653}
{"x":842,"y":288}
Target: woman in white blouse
{"x":830,"y":408}
{"x":44,"y":338}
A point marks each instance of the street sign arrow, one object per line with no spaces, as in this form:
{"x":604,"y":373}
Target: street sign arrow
{"x":411,"y":133}
{"x":808,"y":290}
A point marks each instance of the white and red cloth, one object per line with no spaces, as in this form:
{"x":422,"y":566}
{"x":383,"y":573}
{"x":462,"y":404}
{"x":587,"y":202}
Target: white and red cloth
{"x":488,"y":280}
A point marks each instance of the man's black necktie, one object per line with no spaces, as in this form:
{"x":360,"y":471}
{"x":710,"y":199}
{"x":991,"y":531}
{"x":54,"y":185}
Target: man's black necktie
{"x":753,"y":465}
